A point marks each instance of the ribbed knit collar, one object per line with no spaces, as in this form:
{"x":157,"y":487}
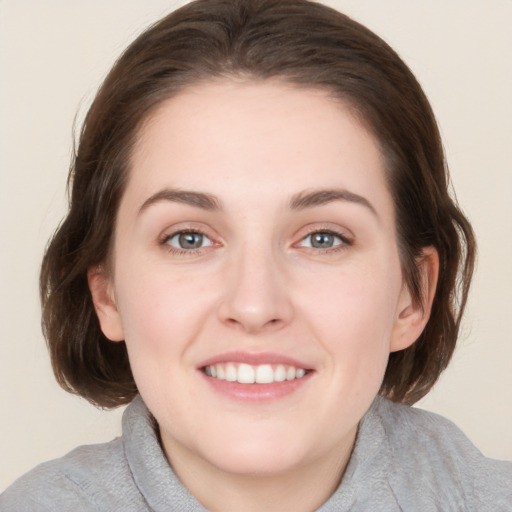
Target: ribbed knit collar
{"x":160,"y":486}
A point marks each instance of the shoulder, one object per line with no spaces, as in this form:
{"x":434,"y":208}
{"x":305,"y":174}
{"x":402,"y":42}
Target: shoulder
{"x":431,"y":454}
{"x":90,"y":478}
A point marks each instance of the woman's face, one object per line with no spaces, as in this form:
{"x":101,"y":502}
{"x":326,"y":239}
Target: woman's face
{"x":256,"y":242}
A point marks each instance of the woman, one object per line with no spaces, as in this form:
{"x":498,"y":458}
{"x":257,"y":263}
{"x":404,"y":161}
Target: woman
{"x":260,"y":247}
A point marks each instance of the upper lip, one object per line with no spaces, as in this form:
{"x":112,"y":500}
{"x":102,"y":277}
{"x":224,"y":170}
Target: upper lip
{"x":254,"y":359}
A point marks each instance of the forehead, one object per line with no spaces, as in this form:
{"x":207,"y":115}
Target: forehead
{"x":268,"y":138}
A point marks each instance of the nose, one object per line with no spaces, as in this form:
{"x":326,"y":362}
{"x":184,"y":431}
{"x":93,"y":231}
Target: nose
{"x":255,"y":298}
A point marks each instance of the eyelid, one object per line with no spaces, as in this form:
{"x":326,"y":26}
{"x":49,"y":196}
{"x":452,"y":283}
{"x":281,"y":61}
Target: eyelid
{"x":345,"y":234}
{"x":184,"y":232}
{"x":187,"y":227}
{"x":347,"y":238}
{"x":172,"y":231}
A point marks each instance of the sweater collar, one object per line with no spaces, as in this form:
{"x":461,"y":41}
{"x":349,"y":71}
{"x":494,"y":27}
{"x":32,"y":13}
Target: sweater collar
{"x":160,"y":486}
{"x":151,"y":471}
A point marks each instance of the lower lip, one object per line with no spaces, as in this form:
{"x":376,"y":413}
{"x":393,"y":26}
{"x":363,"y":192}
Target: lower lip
{"x":256,"y":392}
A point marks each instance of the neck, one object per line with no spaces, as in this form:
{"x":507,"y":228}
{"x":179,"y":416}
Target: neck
{"x":304,"y":488}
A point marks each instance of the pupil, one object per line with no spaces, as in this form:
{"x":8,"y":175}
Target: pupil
{"x":191,"y":240}
{"x":322,"y":240}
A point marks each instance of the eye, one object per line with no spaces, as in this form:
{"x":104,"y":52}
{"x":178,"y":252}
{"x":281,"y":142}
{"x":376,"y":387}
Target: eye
{"x":188,"y":240}
{"x":323,"y":240}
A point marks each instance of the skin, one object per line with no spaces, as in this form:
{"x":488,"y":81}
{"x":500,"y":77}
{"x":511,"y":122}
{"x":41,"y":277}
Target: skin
{"x":257,"y":285}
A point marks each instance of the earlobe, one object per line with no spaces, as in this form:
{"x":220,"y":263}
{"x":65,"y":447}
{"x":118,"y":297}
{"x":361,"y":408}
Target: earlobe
{"x":104,"y":303}
{"x":413,"y":315}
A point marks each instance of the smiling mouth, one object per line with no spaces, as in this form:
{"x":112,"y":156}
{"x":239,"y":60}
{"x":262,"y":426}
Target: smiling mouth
{"x":254,"y":374}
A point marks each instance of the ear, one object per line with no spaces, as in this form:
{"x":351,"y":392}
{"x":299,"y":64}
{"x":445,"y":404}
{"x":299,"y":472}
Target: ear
{"x":104,"y":303}
{"x":412,"y":316}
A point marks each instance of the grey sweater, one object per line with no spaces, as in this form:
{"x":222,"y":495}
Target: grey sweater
{"x":405,"y":459}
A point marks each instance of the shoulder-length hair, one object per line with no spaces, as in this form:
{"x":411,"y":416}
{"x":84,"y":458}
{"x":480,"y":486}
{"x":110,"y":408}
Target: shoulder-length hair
{"x":298,"y":42}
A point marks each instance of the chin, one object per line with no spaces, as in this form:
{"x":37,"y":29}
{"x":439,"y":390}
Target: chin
{"x":256,"y":456}
{"x":247,"y":463}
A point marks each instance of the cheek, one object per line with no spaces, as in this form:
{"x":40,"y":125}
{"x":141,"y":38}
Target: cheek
{"x":162,"y":311}
{"x":356,"y":311}
{"x":161,"y":319}
{"x":152,"y":307}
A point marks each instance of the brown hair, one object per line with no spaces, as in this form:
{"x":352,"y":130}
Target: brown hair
{"x":296,"y":41}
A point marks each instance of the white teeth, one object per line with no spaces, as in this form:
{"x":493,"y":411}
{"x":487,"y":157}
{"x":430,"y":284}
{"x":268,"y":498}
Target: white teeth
{"x":290,"y":373}
{"x":231,"y":373}
{"x":245,"y":374}
{"x":300,"y":373}
{"x":264,"y":374}
{"x":280,"y":373}
{"x":259,"y":374}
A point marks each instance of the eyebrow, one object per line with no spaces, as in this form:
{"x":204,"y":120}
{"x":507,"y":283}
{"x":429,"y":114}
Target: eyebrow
{"x":198,"y":199}
{"x":321,"y":197}
{"x":300,"y":201}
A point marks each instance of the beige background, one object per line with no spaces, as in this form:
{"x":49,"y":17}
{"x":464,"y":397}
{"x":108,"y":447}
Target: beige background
{"x":53,"y":55}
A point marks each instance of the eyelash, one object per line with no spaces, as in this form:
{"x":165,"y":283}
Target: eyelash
{"x":345,"y":242}
{"x":185,"y":252}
